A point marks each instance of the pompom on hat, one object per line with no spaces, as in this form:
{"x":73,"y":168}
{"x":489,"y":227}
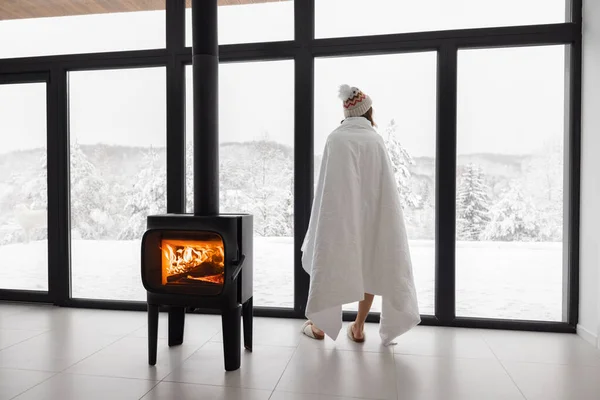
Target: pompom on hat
{"x":356,"y":102}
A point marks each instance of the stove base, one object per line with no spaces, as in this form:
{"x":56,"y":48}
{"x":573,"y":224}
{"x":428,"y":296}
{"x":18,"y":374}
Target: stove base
{"x":176,"y":325}
{"x":231,"y":326}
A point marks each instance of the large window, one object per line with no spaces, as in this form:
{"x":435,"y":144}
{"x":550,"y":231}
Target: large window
{"x":256,"y":136}
{"x":510,"y":160}
{"x":250,"y":21}
{"x":337,"y":18}
{"x":35,"y":29}
{"x":477,"y":101}
{"x":403,"y":89}
{"x":118,"y":176}
{"x":23,"y":187}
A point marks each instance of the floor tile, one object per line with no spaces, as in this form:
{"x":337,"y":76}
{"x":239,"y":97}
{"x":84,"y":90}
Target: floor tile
{"x":450,"y":378}
{"x":10,"y":337}
{"x":278,"y":395}
{"x":34,"y":318}
{"x":7,"y":308}
{"x":273,"y":332}
{"x":555,"y":382}
{"x":53,"y":351}
{"x":340,"y":373}
{"x":100,"y":322}
{"x":14,"y":382}
{"x":553,"y":348}
{"x":102,"y":354}
{"x":372,"y":341}
{"x":75,"y":320}
{"x":128,"y":358}
{"x":79,"y":387}
{"x":446,"y":342}
{"x":188,"y":391}
{"x":198,"y":328}
{"x":260,"y":369}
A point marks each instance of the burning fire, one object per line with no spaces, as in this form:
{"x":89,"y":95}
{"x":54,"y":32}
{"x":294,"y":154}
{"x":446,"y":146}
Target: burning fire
{"x":193,"y":260}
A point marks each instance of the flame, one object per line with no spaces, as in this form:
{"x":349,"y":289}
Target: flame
{"x":194,"y":260}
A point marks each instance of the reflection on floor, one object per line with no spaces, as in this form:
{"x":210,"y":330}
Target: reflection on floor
{"x":53,"y":353}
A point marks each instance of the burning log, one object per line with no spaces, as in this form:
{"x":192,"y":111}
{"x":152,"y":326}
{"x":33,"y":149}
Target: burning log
{"x":190,"y":261}
{"x":206,"y":271}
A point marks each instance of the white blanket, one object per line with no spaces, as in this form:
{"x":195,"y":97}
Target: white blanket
{"x":356,"y":241}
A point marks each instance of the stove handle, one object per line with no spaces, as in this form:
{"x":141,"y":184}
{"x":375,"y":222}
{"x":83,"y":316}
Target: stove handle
{"x":237,"y":265}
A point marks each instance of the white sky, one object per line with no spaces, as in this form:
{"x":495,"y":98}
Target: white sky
{"x":510,"y":100}
{"x":125,"y":107}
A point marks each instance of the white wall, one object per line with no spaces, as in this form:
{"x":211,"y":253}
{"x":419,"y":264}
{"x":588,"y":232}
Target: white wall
{"x":589,"y":308}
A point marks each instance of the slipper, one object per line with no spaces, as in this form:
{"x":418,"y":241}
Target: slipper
{"x":308,"y":331}
{"x":351,"y":334}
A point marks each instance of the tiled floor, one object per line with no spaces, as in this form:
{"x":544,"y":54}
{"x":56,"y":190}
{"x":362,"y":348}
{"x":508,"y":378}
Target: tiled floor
{"x":53,"y":353}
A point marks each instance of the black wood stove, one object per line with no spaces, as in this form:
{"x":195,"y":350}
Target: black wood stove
{"x":201,"y":260}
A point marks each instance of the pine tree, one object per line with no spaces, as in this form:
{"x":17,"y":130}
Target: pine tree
{"x":288,"y":209}
{"x":89,"y":192}
{"x":234,"y":177}
{"x":513,"y":218}
{"x":189,"y":176}
{"x":472,"y":204}
{"x":544,"y":184}
{"x":148,"y":196}
{"x":35,"y":191}
{"x":32,"y":196}
{"x":266,"y":191}
{"x":257,"y":178}
{"x":401,"y":163}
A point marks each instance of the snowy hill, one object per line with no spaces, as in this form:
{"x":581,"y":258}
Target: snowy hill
{"x":114,"y":187}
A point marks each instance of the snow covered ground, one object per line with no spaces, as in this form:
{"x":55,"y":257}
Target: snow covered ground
{"x":494,"y":279}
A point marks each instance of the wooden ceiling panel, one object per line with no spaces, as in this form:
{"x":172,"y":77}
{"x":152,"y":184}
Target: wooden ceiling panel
{"x":20,"y":9}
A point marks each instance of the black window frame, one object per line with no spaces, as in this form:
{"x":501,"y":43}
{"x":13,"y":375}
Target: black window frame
{"x":303,"y":50}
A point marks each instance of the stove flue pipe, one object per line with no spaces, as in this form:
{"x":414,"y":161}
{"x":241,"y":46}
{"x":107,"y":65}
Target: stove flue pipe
{"x":205,"y":63}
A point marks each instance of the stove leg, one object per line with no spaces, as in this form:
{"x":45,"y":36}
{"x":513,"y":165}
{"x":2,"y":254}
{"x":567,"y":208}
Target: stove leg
{"x":247,"y":312}
{"x":232,"y":337}
{"x":152,"y":333}
{"x":176,"y":325}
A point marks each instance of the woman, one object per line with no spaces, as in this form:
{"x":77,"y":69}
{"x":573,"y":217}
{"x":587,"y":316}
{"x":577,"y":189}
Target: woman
{"x":356,"y":245}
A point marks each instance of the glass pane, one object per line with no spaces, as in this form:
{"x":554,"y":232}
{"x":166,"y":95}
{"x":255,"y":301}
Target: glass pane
{"x":403,"y":89}
{"x":31,"y":28}
{"x":250,"y":21}
{"x":256,"y":136}
{"x":23,"y":187}
{"x":509,"y":250}
{"x":118,"y":176}
{"x":338,"y":18}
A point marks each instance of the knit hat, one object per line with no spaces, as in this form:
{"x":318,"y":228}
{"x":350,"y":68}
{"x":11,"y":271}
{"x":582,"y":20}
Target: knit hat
{"x":356,"y":103}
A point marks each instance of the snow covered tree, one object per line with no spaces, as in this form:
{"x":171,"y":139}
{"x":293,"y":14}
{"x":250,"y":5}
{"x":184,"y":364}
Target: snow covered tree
{"x":425,"y":196}
{"x":544,"y":172}
{"x":513,"y":218}
{"x":35,"y":191}
{"x":269,"y":181}
{"x":148,"y":195}
{"x":552,"y":218}
{"x":401,"y":162}
{"x":472,"y":204}
{"x":189,"y":176}
{"x":257,"y":178}
{"x":543,"y":181}
{"x":89,"y":193}
{"x":235,"y":176}
{"x":288,"y":208}
{"x":28,"y":202}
